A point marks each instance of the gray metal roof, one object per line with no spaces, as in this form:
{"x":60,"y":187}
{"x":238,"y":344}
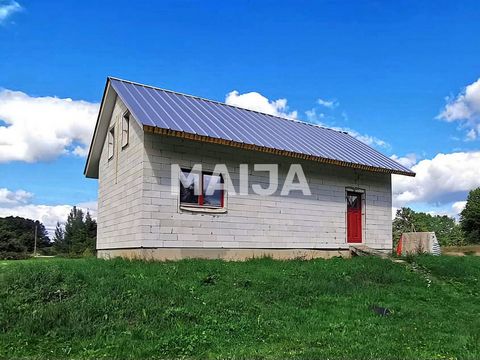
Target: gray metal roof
{"x":170,"y":110}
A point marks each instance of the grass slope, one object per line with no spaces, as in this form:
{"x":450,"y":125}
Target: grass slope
{"x":90,"y":308}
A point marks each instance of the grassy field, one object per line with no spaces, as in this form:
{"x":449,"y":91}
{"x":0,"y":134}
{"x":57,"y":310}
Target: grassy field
{"x":88,"y":308}
{"x":459,"y":250}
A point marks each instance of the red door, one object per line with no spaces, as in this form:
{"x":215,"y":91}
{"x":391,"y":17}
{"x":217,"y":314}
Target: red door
{"x":354,"y":217}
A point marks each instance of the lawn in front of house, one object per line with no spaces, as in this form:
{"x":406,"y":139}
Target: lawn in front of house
{"x":89,"y":308}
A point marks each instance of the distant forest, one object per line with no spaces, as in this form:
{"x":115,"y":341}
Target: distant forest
{"x":449,"y":232}
{"x":76,"y":237}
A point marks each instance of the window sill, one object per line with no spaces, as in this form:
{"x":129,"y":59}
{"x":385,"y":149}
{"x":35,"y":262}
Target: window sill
{"x":203,"y":209}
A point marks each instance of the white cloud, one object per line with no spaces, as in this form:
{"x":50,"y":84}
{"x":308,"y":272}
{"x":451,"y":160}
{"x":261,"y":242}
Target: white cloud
{"x":408,"y":161}
{"x":471,"y":135}
{"x":367,"y":139}
{"x":42,"y":128}
{"x":17,"y":203}
{"x":394,"y":211}
{"x":258,"y":102}
{"x":7,"y":8}
{"x":458,"y":206}
{"x":452,"y":210}
{"x":444,"y":179}
{"x":81,"y":151}
{"x":12,"y":198}
{"x":46,"y":214}
{"x":330,"y":104}
{"x":313,"y":116}
{"x":90,"y":206}
{"x":465,"y":109}
{"x":317,"y":118}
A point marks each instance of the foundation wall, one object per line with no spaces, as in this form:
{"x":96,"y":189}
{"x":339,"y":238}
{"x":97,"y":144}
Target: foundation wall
{"x":224,"y":254}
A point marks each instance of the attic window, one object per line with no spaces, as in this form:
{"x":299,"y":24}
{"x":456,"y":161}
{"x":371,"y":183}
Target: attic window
{"x":125,"y":128}
{"x":111,"y":142}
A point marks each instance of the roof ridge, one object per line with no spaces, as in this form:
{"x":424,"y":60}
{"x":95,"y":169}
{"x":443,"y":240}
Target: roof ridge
{"x":225,"y":104}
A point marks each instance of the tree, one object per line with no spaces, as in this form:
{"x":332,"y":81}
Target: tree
{"x":91,"y":230}
{"x":78,"y":235}
{"x":17,"y":235}
{"x":404,"y":222}
{"x":470,"y":217}
{"x":447,"y":230}
{"x":59,"y":239}
{"x":75,"y":233}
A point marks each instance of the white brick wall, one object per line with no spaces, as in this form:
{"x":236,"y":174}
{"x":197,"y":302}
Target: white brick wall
{"x":137,"y":208}
{"x":120,"y":184}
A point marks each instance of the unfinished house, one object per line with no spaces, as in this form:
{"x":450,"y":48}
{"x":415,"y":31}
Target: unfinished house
{"x":147,"y":210}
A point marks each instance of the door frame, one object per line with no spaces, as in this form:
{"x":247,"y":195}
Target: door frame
{"x":363,"y":199}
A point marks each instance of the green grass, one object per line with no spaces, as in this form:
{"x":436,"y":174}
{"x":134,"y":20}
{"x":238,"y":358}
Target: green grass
{"x":88,"y":308}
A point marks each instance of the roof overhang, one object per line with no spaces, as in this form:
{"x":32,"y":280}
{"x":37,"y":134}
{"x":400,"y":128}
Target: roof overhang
{"x":212,"y":140}
{"x":100,"y":132}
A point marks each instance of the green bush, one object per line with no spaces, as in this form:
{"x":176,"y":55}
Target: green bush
{"x":11,"y":255}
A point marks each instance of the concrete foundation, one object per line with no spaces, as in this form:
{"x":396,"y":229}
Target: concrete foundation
{"x":162,"y":254}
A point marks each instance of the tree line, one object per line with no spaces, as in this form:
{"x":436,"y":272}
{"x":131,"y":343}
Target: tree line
{"x":449,"y":232}
{"x":77,"y":237}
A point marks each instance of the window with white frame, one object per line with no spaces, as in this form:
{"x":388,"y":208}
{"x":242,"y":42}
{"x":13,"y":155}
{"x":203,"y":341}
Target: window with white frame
{"x":125,"y":128}
{"x":111,"y":142}
{"x":201,"y":189}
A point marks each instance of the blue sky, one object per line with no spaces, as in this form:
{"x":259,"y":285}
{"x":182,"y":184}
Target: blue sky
{"x":387,"y":68}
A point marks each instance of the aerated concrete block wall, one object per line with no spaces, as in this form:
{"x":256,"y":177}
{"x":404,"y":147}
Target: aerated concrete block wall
{"x":120,"y":187}
{"x":137,"y":208}
{"x":253,"y":221}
